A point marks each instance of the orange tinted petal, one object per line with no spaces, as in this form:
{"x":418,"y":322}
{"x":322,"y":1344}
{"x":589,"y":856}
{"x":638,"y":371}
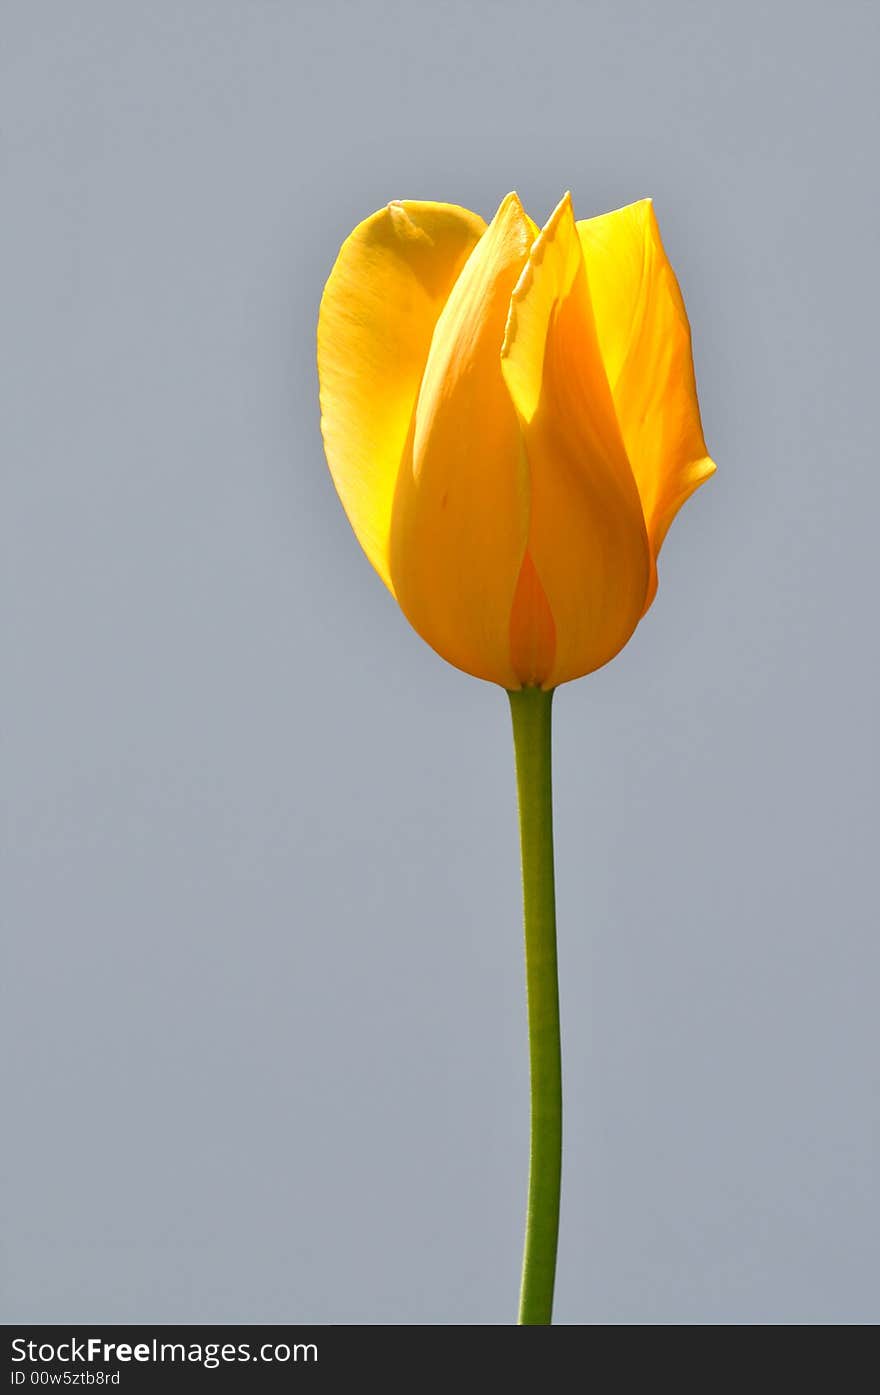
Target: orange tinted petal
{"x":460,"y":513}
{"x":532,"y":628}
{"x":587,"y":537}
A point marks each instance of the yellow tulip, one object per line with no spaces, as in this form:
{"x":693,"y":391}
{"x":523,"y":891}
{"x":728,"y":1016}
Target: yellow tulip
{"x":511,"y":422}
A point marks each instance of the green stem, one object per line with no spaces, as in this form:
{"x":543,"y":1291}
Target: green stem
{"x":530,"y":709}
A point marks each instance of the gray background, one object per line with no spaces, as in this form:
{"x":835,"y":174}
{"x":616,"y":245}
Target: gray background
{"x":264,"y":1047}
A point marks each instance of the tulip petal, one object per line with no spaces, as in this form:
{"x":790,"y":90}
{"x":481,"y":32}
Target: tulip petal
{"x":390,"y":282}
{"x":587,"y":538}
{"x":645,"y":340}
{"x":460,"y":514}
{"x":532,"y":629}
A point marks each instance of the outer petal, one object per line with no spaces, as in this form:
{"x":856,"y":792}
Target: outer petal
{"x":378,"y":312}
{"x":587,"y":536}
{"x":461,"y":510}
{"x":646,"y":344}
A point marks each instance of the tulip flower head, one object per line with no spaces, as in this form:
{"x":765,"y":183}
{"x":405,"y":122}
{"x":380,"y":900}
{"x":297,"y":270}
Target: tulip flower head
{"x":510,"y":418}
